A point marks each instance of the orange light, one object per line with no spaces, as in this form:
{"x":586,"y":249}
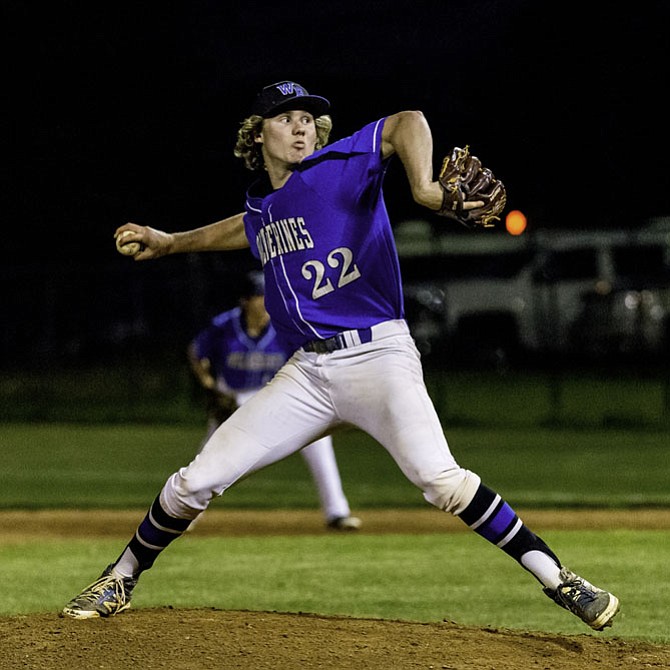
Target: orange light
{"x":515,"y":222}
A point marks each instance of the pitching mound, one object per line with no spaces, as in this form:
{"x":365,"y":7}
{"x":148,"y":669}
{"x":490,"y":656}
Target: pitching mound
{"x":202,"y":639}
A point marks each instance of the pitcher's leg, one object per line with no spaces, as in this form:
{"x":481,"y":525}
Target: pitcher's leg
{"x":492,"y":518}
{"x":276,"y":421}
{"x":408,"y":427}
{"x":268,"y":427}
{"x":386,"y":397}
{"x":228,"y":455}
{"x":412,"y":434}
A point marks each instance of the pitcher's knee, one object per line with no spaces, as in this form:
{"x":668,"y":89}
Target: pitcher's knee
{"x":451,"y":490}
{"x":183,"y":498}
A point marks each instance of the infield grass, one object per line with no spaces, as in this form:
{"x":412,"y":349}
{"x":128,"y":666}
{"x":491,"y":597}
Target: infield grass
{"x":457,"y":577}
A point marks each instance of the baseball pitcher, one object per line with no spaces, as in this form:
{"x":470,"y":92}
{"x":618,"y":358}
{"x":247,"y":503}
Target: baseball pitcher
{"x":316,"y":219}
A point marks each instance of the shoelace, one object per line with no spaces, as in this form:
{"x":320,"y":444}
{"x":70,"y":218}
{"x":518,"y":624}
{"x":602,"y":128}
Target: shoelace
{"x":102,"y":585}
{"x":575,"y":591}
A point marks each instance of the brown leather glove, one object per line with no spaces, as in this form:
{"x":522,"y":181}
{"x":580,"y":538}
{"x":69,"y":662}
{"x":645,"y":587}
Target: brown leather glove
{"x":463,"y":179}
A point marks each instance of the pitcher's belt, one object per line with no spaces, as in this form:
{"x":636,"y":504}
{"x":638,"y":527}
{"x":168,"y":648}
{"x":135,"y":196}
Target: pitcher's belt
{"x":352,"y":338}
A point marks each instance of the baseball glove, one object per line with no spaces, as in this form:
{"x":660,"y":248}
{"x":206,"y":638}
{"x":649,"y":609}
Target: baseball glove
{"x":220,"y":405}
{"x":463,"y":179}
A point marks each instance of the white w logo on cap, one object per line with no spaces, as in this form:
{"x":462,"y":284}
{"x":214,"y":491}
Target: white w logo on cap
{"x":288,"y":88}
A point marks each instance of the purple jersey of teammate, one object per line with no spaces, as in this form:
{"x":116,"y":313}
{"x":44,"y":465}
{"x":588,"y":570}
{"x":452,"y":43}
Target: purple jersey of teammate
{"x":342,"y":255}
{"x":239,"y":362}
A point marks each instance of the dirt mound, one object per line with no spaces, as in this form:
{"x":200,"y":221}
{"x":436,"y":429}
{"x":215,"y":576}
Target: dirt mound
{"x":207,"y":638}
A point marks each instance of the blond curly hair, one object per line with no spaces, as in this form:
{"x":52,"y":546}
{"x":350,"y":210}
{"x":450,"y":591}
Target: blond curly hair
{"x":250,"y":151}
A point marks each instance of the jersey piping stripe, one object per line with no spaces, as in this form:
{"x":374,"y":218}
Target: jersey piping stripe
{"x":374,"y":136}
{"x":290,"y":288}
{"x":296,"y":301}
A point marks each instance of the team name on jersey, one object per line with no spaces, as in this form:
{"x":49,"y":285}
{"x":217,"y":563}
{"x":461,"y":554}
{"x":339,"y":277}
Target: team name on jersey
{"x":283,"y":236}
{"x":254,"y":361}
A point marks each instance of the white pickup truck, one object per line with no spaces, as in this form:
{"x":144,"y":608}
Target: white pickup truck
{"x":495,"y":295}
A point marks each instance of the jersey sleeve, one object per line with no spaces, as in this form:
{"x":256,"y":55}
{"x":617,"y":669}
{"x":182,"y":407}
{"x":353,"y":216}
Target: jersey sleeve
{"x":349,"y":173}
{"x":365,"y":141}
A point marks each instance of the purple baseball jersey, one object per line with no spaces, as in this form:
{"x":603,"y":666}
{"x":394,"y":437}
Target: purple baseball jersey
{"x":325,"y":242}
{"x":239,"y":362}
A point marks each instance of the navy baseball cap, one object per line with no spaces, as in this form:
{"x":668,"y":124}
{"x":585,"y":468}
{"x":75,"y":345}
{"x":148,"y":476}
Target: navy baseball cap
{"x":286,"y":95}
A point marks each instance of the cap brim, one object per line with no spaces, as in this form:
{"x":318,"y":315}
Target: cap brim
{"x":314,"y":104}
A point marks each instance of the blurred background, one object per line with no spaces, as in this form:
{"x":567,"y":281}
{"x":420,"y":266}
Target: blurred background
{"x":128,"y":112}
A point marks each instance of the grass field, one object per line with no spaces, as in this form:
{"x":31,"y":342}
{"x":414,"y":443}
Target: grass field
{"x":71,"y":465}
{"x":416,"y":577}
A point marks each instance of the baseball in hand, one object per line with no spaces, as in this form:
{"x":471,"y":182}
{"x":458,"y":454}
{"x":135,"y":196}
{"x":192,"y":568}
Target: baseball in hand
{"x":129,"y":248}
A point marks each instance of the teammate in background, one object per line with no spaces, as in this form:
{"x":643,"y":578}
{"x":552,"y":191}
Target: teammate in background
{"x":236,"y":355}
{"x":316,"y":219}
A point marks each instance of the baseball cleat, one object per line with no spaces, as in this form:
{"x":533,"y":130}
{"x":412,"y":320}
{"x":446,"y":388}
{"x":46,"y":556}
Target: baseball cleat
{"x":107,"y":596}
{"x":592,"y":605}
{"x":345,"y":523}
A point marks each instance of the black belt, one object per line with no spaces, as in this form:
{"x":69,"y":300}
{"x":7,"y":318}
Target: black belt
{"x":339,"y":341}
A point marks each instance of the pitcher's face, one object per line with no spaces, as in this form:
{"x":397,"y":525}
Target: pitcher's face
{"x":288,"y":138}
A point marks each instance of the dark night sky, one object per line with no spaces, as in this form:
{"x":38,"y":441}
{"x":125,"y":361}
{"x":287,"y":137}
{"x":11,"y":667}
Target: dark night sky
{"x":129,"y":112}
